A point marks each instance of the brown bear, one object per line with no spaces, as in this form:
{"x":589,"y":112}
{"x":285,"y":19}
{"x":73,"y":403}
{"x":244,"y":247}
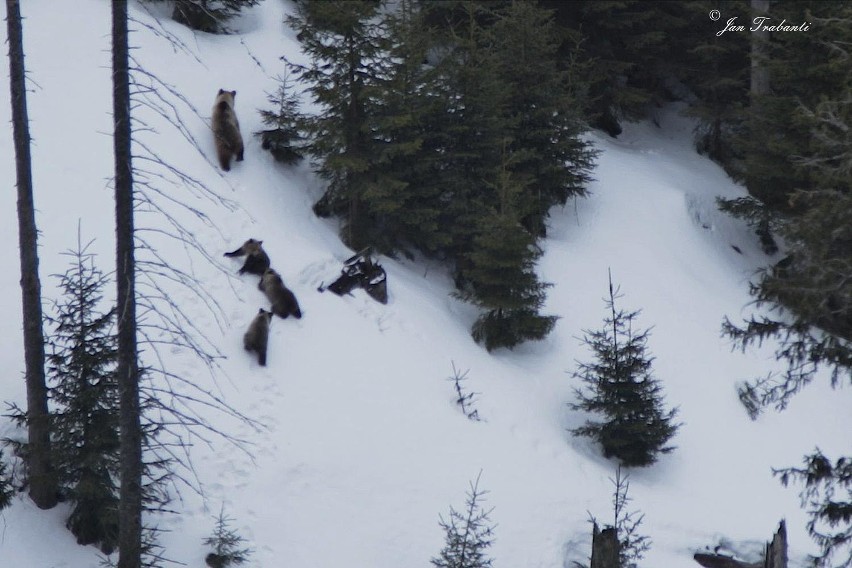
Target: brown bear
{"x":226,"y":129}
{"x":283,"y":300}
{"x":257,"y":336}
{"x":257,"y":261}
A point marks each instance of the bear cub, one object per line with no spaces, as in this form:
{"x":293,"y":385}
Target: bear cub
{"x":257,"y":337}
{"x":257,"y":261}
{"x":283,"y":300}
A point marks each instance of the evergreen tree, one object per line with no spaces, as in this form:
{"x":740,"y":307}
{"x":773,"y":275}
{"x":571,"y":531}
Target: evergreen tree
{"x":812,"y":290}
{"x":500,"y":274}
{"x":84,"y":393}
{"x":628,"y":43}
{"x":811,"y":284}
{"x":345,"y":44}
{"x":468,"y":128}
{"x":209,"y":16}
{"x":620,"y":386}
{"x":800,"y":71}
{"x":423,"y":129}
{"x":228,"y":545}
{"x":7,"y":490}
{"x":404,"y":201}
{"x":542,"y":111}
{"x":632,"y":545}
{"x":283,"y":139}
{"x":468,"y":534}
{"x":716,"y":71}
{"x":827,"y":494}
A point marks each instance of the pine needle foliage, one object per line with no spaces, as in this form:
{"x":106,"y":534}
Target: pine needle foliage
{"x":209,"y":16}
{"x":84,"y":394}
{"x":282,"y":138}
{"x":827,"y":496}
{"x":632,"y":545}
{"x":228,"y":546}
{"x":465,"y":399}
{"x":620,"y":386}
{"x":468,"y":534}
{"x":7,"y":489}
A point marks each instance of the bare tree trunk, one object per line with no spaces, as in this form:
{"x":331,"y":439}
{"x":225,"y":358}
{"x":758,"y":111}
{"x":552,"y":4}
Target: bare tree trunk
{"x":759,"y":50}
{"x":42,"y":478}
{"x":130,"y":494}
{"x":604,"y":548}
{"x":776,"y":551}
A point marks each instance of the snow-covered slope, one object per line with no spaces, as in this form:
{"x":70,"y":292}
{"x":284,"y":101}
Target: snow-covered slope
{"x":362,"y":446}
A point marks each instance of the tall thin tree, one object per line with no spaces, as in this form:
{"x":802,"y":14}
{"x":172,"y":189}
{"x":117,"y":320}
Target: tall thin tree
{"x":130,"y":493}
{"x":42,"y":481}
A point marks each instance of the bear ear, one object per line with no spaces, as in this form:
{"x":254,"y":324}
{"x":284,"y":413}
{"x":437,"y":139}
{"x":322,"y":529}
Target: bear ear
{"x":233,"y":93}
{"x":260,"y":242}
{"x":221,"y":91}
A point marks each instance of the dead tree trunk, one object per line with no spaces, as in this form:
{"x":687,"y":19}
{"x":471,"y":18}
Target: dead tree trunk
{"x":775,"y":555}
{"x":776,"y":551}
{"x":130,"y":494}
{"x":42,"y":478}
{"x":604,"y":547}
{"x":759,"y":50}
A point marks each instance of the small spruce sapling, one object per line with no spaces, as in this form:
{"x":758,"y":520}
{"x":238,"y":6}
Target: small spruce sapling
{"x":465,"y":399}
{"x":228,"y":546}
{"x":621,"y":387}
{"x":632,"y":546}
{"x":283,"y":136}
{"x":627,"y":547}
{"x":468,"y":534}
{"x":84,"y":395}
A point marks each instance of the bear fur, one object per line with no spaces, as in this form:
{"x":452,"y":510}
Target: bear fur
{"x":257,"y":261}
{"x":226,"y":129}
{"x":257,"y":337}
{"x":283,"y":300}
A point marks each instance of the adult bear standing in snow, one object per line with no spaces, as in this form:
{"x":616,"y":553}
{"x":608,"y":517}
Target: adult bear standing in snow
{"x":257,"y":261}
{"x":226,"y":129}
{"x":257,"y":337}
{"x":283,"y":300}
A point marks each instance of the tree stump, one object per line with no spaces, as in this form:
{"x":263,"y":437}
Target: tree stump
{"x":775,"y":555}
{"x":604,"y":547}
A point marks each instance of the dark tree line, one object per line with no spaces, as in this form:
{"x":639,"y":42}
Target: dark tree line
{"x":449,"y":129}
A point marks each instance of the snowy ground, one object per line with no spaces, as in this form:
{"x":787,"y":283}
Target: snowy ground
{"x":362,"y":446}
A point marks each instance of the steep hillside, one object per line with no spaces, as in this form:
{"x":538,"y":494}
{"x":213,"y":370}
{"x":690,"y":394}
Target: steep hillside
{"x":361,"y":446}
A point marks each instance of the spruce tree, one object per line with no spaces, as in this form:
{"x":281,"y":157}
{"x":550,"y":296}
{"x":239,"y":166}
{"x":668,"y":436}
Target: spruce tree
{"x":468,"y":126}
{"x":543,"y":112}
{"x":621,"y":388}
{"x":827,"y":494}
{"x":627,"y":42}
{"x":802,"y":70}
{"x":7,"y":489}
{"x":811,"y":293}
{"x":283,"y":138}
{"x":468,"y":534}
{"x":228,"y":546}
{"x":345,"y":44}
{"x":500,"y":274}
{"x":209,"y":16}
{"x":84,"y":396}
{"x":716,"y":71}
{"x":403,"y":199}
